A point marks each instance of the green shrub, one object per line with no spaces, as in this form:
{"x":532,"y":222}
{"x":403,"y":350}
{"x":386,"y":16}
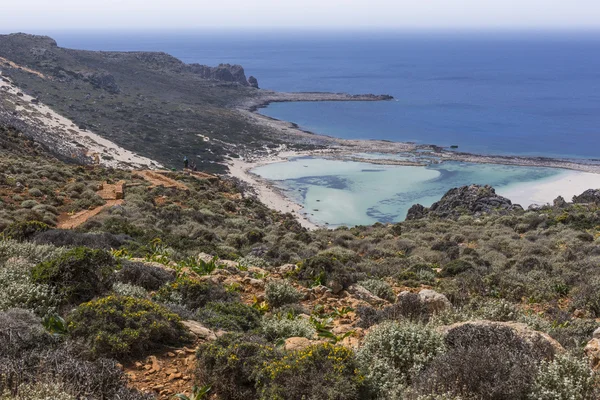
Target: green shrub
{"x":122,"y":326}
{"x":456,"y":267}
{"x":565,"y":378}
{"x":379,"y":288}
{"x":24,"y":230}
{"x":191,"y":293}
{"x":277,"y":327}
{"x":280,"y":293}
{"x":321,"y":371}
{"x":77,"y":275}
{"x":233,"y":316}
{"x":393,"y":353}
{"x":230,"y":364}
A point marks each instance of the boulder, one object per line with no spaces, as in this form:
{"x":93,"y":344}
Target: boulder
{"x":253,"y":82}
{"x":363,"y":294}
{"x":199,"y":330}
{"x":296,"y":343}
{"x":417,"y":211}
{"x":539,"y":342}
{"x":589,"y":196}
{"x":433,"y":301}
{"x":471,"y":200}
{"x":559,"y":202}
{"x":592,"y":350}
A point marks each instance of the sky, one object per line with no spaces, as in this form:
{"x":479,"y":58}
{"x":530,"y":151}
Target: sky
{"x":39,"y":15}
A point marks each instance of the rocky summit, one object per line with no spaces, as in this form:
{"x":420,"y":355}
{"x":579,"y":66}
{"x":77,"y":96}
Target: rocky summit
{"x":465,"y":200}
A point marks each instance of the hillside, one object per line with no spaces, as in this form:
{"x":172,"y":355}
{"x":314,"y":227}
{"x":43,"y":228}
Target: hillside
{"x":190,"y":280}
{"x":149,"y":103}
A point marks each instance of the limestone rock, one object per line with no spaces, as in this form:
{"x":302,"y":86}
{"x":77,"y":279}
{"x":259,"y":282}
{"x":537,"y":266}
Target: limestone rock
{"x":296,"y":343}
{"x":199,"y":330}
{"x":589,"y":196}
{"x":560,"y":202}
{"x":434,"y":301}
{"x":592,"y":350}
{"x":472,"y":200}
{"x":253,"y":82}
{"x":363,"y":294}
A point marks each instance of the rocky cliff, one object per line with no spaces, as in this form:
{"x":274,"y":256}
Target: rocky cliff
{"x":471,"y":200}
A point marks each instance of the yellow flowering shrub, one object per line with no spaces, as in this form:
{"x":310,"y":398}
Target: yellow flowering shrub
{"x":121,"y":326}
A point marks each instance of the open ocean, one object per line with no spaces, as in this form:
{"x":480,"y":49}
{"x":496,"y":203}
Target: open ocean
{"x":523,"y":94}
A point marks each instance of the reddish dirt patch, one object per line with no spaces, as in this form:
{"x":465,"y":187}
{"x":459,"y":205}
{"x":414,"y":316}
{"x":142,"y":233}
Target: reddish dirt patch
{"x":165,"y":374}
{"x":158,"y":179}
{"x":73,"y":221}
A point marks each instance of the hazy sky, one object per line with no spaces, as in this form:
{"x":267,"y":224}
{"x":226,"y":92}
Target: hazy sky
{"x":23,"y":15}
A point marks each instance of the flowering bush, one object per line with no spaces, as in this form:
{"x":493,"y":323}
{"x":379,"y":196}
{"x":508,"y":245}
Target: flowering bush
{"x":393,"y":353}
{"x":280,"y":293}
{"x":124,"y":326}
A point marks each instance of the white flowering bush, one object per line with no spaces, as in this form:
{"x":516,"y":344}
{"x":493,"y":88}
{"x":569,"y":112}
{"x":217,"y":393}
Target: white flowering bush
{"x":33,"y":252}
{"x":379,"y":288}
{"x":393,"y":353}
{"x":564,"y":378}
{"x":125,"y":289}
{"x":17,"y":290}
{"x":39,"y":391}
{"x":276,"y":327}
{"x":280,"y":293}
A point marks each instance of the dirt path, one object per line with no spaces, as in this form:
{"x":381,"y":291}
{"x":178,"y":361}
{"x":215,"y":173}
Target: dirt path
{"x":76,"y":220}
{"x":158,"y":179}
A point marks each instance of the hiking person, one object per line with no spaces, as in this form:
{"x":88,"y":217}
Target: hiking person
{"x":185,"y":162}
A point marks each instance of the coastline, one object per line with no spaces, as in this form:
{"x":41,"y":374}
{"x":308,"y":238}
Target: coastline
{"x":266,"y":192}
{"x":294,"y":135}
{"x":578,"y":176}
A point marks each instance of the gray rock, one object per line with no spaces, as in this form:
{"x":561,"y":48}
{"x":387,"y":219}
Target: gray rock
{"x":434,"y":301}
{"x":253,"y":82}
{"x":589,"y":196}
{"x":199,"y":330}
{"x":363,"y":294}
{"x":471,"y":200}
{"x":560,"y":202}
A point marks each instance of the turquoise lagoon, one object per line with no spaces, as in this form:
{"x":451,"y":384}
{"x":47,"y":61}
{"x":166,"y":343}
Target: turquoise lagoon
{"x":337,"y":192}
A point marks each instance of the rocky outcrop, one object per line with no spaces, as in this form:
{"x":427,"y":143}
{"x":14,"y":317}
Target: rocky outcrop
{"x":587,"y":197}
{"x":470,"y":200}
{"x":103,"y":80}
{"x":253,"y":82}
{"x":559,"y":202}
{"x":224,"y":73}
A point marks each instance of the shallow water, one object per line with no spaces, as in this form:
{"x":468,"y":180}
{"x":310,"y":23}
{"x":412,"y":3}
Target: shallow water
{"x":355,"y":193}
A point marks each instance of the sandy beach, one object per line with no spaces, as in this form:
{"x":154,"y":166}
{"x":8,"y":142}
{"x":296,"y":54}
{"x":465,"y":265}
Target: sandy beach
{"x":266,"y":192}
{"x":567,"y":184}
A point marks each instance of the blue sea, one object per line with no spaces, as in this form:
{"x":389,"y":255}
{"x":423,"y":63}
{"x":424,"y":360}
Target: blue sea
{"x":490,"y":93}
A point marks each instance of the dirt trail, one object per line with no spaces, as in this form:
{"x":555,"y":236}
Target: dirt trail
{"x":77,"y":219}
{"x":113,"y":194}
{"x":158,"y":179}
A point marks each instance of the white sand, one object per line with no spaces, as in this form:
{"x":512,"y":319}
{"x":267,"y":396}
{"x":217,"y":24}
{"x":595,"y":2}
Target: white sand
{"x":567,"y":184}
{"x":66,"y":135}
{"x":267,"y":193}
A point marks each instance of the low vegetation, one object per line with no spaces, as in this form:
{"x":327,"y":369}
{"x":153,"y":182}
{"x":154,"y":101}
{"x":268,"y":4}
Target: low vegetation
{"x":284,"y":313}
